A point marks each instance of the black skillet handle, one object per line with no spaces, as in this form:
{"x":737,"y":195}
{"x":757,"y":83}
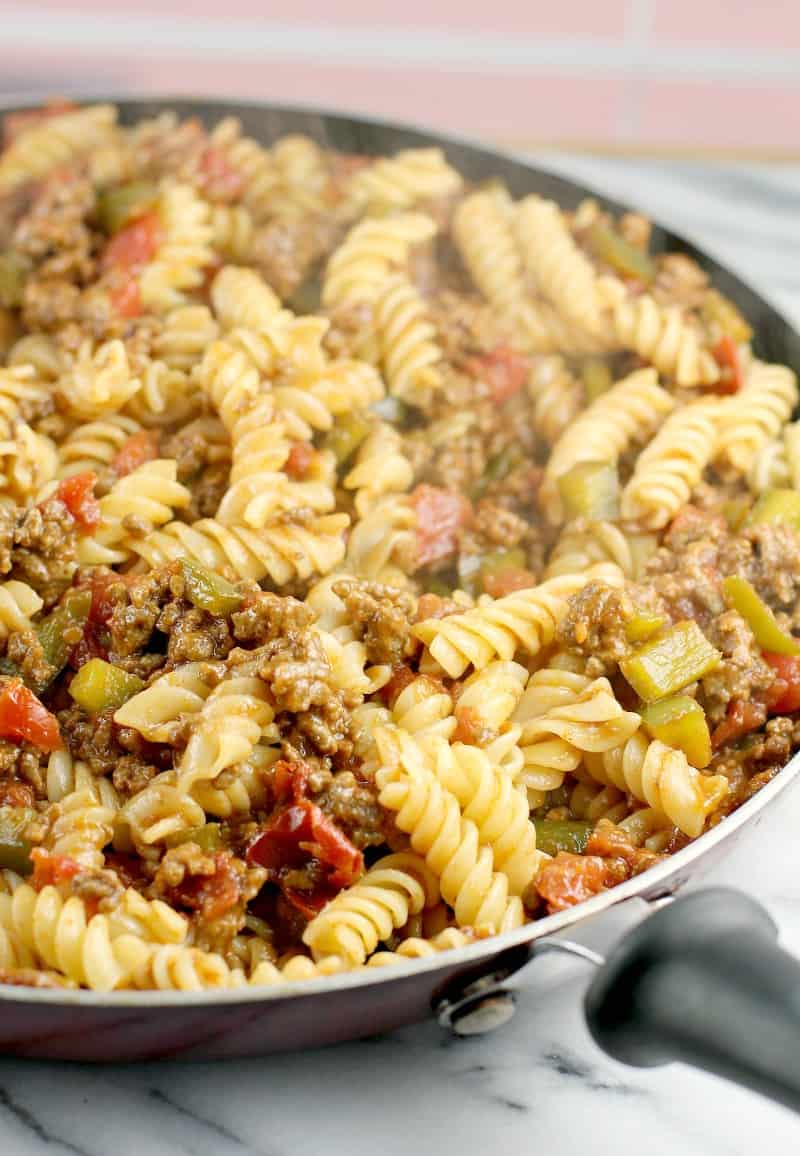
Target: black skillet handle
{"x":704,"y":981}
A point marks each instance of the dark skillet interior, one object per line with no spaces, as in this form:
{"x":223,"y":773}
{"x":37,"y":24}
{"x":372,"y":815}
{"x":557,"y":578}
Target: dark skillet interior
{"x":148,"y":1025}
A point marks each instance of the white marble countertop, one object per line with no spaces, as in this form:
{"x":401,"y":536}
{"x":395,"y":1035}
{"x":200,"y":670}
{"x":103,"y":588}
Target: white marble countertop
{"x":538,"y":1084}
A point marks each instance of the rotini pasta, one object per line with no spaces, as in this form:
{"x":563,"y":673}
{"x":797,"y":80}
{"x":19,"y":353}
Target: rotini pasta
{"x":755,"y":416}
{"x":661,"y":777}
{"x":663,"y":336}
{"x":524,"y":621}
{"x":629,"y":412}
{"x":293,"y":679}
{"x":669,"y":468}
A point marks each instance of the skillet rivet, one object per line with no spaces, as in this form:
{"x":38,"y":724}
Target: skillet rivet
{"x":483,"y":1014}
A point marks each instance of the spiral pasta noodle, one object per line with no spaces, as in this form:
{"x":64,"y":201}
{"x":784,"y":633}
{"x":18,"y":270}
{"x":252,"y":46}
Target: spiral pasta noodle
{"x":407,"y":338}
{"x":241,"y":298}
{"x":358,"y":919}
{"x":144,"y":498}
{"x":233,"y":718}
{"x":669,"y":468}
{"x":18,"y":603}
{"x":283,"y":551}
{"x":252,"y":162}
{"x":403,"y":181}
{"x":630,"y":411}
{"x":55,"y":141}
{"x":160,"y":710}
{"x":450,"y":844}
{"x":184,"y":253}
{"x":557,"y":395}
{"x":755,"y":416}
{"x":94,"y":445}
{"x":662,"y":335}
{"x":488,"y":798}
{"x":380,"y":467}
{"x":497,"y":628}
{"x":373,"y":249}
{"x":662,"y":778}
{"x":99,"y":381}
{"x":186,"y":333}
{"x":583,"y":544}
{"x":561,"y":272}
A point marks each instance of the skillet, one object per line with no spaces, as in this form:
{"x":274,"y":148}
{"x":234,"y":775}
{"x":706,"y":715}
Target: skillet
{"x":701,"y":980}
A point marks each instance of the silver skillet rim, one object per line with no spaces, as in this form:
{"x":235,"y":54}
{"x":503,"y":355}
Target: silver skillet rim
{"x":656,"y":882}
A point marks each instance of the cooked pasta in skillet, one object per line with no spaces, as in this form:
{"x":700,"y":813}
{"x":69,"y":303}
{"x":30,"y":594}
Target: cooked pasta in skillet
{"x":384,"y":562}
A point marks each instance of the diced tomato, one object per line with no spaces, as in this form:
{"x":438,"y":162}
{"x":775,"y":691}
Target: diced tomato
{"x":126,"y":297}
{"x":300,"y":460}
{"x":17,"y":123}
{"x":468,"y":726}
{"x":77,"y":494}
{"x":726,"y":353}
{"x":24,"y":719}
{"x":784,"y":695}
{"x":219,"y":180}
{"x":290,"y":779}
{"x":132,"y":247}
{"x":301,"y":832}
{"x":742,"y":718}
{"x":51,"y":870}
{"x":15,"y":794}
{"x":100,"y":584}
{"x":432,"y":606}
{"x":213,"y":894}
{"x":139,"y":448}
{"x":441,"y":516}
{"x":94,"y":643}
{"x":498,"y":583}
{"x":401,"y":677}
{"x":569,"y":879}
{"x":503,"y":370}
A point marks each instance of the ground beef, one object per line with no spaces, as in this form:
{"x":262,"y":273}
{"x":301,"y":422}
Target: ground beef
{"x":166,"y":146}
{"x":106,"y":747}
{"x":594,"y":625}
{"x":100,"y":889}
{"x":53,"y":234}
{"x":138,"y":605}
{"x":131,"y":775}
{"x":352,"y":804}
{"x":742,"y":674}
{"x":214,"y":886}
{"x":768,"y":555}
{"x":200,"y":468}
{"x":24,"y":649}
{"x":44,"y":549}
{"x":22,"y":766}
{"x":265,"y":617}
{"x":756,"y":760}
{"x":193,"y":635}
{"x":286,"y":250}
{"x":382,"y":617}
{"x":302,"y":683}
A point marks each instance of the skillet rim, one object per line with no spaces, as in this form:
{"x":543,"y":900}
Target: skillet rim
{"x":658,"y":881}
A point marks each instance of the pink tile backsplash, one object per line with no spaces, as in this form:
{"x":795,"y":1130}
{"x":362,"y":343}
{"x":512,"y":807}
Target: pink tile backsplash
{"x":503,"y":107}
{"x":698,"y":113}
{"x":567,"y":18}
{"x":716,"y":74}
{"x":729,"y":22}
